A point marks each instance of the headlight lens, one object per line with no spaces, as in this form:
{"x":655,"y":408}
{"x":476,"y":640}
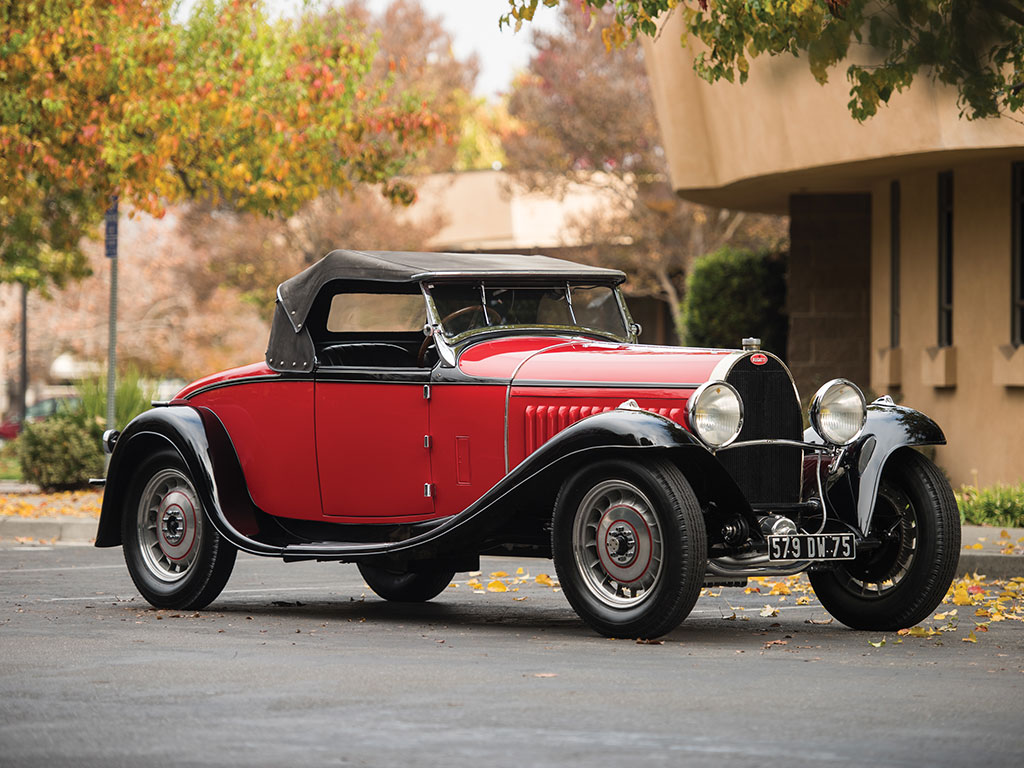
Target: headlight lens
{"x":715,"y":413}
{"x":838,"y":412}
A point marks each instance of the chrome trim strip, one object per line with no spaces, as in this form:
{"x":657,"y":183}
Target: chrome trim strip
{"x":816,"y":447}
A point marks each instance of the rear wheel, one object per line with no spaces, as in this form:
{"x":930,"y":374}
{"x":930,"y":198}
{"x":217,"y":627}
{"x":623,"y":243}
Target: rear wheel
{"x":175,"y":557}
{"x":630,"y":547}
{"x":900,"y":583}
{"x":405,"y":586}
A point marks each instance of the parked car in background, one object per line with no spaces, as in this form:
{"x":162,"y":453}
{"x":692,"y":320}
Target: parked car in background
{"x":40,"y":411}
{"x":416,"y":411}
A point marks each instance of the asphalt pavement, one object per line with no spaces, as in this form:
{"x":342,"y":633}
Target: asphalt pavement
{"x":301,"y":664}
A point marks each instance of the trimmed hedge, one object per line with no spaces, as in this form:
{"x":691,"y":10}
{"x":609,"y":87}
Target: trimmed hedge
{"x":732,"y":294}
{"x":61,"y":453}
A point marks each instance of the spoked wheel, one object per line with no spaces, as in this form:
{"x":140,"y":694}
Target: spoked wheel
{"x":901,"y":582}
{"x":629,"y":547}
{"x":405,"y":586}
{"x":175,"y":557}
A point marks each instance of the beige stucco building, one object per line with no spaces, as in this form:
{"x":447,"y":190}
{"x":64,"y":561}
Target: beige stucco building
{"x":907,"y":252}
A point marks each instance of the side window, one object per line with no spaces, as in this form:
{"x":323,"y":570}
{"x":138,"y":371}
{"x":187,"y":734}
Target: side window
{"x":376,"y":312}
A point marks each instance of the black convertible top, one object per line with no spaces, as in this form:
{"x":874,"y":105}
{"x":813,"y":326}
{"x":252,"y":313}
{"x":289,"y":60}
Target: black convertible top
{"x":291,"y":348}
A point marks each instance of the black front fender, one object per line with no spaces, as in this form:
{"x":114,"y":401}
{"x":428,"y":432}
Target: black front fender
{"x":202,"y":442}
{"x":888,"y":428}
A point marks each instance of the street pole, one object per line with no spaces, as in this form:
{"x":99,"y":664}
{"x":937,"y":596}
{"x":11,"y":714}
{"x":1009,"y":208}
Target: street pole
{"x":23,"y":373}
{"x":110,"y":237}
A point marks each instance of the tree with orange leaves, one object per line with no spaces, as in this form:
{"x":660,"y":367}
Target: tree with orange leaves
{"x":116,"y":97}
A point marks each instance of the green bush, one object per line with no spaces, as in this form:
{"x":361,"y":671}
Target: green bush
{"x":60,"y":453}
{"x":731,"y":294}
{"x":64,"y":451}
{"x":1001,"y":505}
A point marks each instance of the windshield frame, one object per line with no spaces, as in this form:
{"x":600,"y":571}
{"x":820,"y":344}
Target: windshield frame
{"x":483,"y":284}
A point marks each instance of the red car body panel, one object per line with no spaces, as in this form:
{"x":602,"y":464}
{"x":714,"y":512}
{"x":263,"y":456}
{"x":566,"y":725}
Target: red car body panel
{"x":371,"y":453}
{"x":350,"y":452}
{"x":271,"y":426}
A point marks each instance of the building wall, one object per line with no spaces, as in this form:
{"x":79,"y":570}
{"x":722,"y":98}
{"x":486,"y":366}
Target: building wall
{"x":829,"y":288}
{"x":750,"y":146}
{"x":972,"y":389}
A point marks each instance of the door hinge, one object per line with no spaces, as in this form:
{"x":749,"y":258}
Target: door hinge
{"x":426,"y":391}
{"x":428,"y":490}
{"x":426,"y":441}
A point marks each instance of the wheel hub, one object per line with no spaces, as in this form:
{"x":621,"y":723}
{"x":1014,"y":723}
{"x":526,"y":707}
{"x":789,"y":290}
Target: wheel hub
{"x":620,"y":543}
{"x":172,"y":525}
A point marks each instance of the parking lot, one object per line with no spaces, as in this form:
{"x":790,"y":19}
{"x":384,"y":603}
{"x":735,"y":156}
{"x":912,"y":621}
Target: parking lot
{"x":302,"y":662}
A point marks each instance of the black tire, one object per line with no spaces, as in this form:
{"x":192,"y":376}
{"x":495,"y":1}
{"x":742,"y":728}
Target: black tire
{"x":405,"y":586}
{"x":175,"y":557}
{"x":646,"y":574}
{"x":900,"y":584}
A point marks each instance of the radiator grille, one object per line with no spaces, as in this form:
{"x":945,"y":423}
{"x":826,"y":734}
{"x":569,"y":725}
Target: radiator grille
{"x":545,"y":421}
{"x":770,"y":410}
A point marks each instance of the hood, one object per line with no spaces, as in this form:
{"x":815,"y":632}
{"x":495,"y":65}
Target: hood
{"x":540,"y":361}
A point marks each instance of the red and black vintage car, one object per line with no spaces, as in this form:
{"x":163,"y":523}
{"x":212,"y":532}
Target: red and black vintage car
{"x":416,"y":411}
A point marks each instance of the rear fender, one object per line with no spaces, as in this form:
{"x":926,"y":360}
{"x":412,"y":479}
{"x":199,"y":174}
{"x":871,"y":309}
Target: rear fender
{"x":203,"y":444}
{"x":888,"y":428}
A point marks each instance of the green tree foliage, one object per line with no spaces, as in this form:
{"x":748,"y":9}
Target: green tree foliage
{"x":975,"y":45}
{"x":101,"y":98}
{"x":732,"y":294}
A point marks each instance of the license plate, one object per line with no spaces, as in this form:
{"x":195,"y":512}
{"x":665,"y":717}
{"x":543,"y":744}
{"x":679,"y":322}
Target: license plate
{"x":808,"y":546}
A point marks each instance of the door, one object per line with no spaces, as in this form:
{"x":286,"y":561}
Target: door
{"x":371,"y":453}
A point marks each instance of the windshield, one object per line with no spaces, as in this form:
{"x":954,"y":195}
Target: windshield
{"x":464,"y":307}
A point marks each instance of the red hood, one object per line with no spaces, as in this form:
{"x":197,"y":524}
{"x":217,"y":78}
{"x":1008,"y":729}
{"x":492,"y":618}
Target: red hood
{"x":546,"y":360}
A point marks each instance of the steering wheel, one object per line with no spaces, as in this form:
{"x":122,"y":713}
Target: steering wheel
{"x":487,"y":312}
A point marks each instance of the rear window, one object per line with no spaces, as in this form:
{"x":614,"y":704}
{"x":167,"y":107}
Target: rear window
{"x":376,"y":312}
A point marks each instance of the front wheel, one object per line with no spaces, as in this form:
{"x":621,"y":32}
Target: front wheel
{"x":900,"y":583}
{"x":175,"y":557}
{"x":629,"y":546}
{"x":405,"y":586}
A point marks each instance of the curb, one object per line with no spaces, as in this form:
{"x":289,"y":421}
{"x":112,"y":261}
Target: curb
{"x":992,"y":566}
{"x":63,"y":529}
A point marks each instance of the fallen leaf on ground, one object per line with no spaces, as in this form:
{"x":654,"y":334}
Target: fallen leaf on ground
{"x":769,"y":611}
{"x":643,"y":641}
{"x":970,"y":638}
{"x":543,"y":578}
{"x":496,"y":586}
{"x":879,"y":644}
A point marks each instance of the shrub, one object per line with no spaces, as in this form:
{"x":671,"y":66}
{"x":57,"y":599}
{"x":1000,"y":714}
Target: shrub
{"x":731,"y":294}
{"x":64,"y":451}
{"x":131,"y":397}
{"x":1001,"y":505}
{"x":60,"y":453}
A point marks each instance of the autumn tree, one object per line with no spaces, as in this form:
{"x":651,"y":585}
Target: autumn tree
{"x":585,"y":116}
{"x":977,"y":46}
{"x":103,"y":98}
{"x":415,"y":62}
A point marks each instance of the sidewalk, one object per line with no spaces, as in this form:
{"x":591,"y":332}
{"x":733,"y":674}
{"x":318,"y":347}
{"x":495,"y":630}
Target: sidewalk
{"x":983,"y":549}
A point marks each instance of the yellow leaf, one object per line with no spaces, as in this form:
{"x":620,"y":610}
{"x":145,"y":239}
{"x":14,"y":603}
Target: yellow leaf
{"x":960,"y":596}
{"x":979,"y":545}
{"x":939,"y":616}
{"x":970,"y":638}
{"x":475,"y":583}
{"x":1004,"y":534}
{"x":499,"y":575}
{"x":496,"y":586}
{"x":544,"y":579}
{"x":982,"y":612}
{"x":520,"y":571}
{"x":778,"y":588}
{"x":879,"y":644}
{"x":803,"y":600}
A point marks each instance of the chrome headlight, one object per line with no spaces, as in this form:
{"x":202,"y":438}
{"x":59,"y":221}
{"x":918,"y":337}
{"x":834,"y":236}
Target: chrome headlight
{"x":715,"y":413}
{"x":838,"y":412}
